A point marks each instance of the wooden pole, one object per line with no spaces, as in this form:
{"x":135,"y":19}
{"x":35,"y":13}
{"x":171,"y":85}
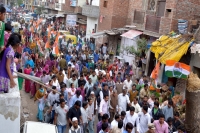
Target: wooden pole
{"x":44,"y":85}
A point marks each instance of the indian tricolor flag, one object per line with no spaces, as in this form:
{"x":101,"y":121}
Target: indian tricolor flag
{"x":176,"y":69}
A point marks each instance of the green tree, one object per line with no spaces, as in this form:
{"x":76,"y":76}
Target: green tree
{"x":39,"y":10}
{"x":141,"y":48}
{"x":19,"y":2}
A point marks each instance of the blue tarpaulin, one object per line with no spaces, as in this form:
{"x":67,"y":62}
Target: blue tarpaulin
{"x":22,"y":5}
{"x":34,"y":15}
{"x":8,"y":10}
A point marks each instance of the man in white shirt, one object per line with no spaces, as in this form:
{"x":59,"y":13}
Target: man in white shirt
{"x":141,"y":81}
{"x":92,"y":107}
{"x":145,"y":119}
{"x":75,"y":127}
{"x":52,"y":97}
{"x":73,"y":80}
{"x":83,"y":56}
{"x":123,"y":100}
{"x":55,"y":82}
{"x":84,"y":115}
{"x":104,"y":49}
{"x":133,"y":118}
{"x":93,"y":77}
{"x":136,"y":105}
{"x":103,"y":109}
{"x":128,"y":82}
{"x":114,"y":123}
{"x":60,"y":118}
{"x":64,"y":43}
{"x":88,"y":85}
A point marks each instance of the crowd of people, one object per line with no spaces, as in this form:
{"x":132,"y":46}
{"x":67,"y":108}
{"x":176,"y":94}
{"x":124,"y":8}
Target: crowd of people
{"x":82,"y":84}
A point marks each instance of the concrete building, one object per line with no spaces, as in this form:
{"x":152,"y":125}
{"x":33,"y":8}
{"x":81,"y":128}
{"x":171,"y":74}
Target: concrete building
{"x":91,"y":10}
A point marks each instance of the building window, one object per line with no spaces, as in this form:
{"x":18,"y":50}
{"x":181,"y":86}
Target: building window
{"x":105,"y":3}
{"x":151,"y":5}
{"x":138,"y":17}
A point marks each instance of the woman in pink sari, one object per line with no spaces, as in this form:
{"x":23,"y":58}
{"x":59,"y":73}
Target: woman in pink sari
{"x":46,"y":68}
{"x":38,"y":74}
{"x":27,"y":71}
{"x":33,"y":86}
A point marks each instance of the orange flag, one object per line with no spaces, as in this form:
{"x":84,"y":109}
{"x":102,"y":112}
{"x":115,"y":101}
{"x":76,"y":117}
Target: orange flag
{"x":56,"y":40}
{"x":155,"y":72}
{"x":56,"y":50}
{"x":49,"y":34}
{"x":32,"y":30}
{"x":47,"y":45}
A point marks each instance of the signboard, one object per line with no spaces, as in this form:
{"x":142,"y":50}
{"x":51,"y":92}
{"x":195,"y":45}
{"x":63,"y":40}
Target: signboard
{"x":73,"y":3}
{"x":71,"y":20}
{"x":90,"y":11}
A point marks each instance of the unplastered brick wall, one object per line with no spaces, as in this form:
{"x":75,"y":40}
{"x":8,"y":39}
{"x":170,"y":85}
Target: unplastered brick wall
{"x":114,"y":15}
{"x":185,"y":9}
{"x":138,"y":5}
{"x":106,"y":13}
{"x":120,"y":12}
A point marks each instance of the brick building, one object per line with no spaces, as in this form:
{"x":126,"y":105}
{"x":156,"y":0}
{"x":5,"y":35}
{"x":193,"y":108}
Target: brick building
{"x":113,"y":14}
{"x":157,"y":17}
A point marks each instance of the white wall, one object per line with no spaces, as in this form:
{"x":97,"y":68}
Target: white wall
{"x":95,"y":2}
{"x":10,"y":110}
{"x":128,"y":42}
{"x":81,"y":3}
{"x":91,"y":25}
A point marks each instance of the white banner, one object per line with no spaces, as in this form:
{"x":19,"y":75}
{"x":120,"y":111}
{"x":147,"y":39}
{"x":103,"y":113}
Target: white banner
{"x":71,"y":20}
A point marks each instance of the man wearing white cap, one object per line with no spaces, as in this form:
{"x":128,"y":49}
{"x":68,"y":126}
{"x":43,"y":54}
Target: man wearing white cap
{"x":123,"y":99}
{"x":75,"y":127}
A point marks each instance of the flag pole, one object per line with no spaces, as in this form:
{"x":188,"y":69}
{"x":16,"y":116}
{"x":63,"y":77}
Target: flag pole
{"x":26,"y":77}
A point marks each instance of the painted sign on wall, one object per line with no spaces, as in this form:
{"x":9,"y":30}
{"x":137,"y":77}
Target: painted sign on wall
{"x":71,"y":20}
{"x":73,"y":2}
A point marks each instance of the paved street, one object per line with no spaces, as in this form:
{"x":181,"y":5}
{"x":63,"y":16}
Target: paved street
{"x":28,"y":108}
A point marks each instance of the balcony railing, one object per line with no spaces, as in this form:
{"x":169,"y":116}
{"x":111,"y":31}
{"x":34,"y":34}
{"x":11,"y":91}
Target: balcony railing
{"x":58,"y":6}
{"x":152,"y":23}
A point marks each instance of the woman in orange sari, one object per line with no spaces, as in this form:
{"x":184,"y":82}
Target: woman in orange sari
{"x":27,"y":71}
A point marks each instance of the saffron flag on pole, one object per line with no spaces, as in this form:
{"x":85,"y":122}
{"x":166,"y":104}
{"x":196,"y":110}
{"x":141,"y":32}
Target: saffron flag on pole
{"x":154,"y":74}
{"x":176,"y":69}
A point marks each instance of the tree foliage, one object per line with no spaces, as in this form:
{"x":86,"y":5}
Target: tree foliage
{"x":19,"y":2}
{"x":39,"y":10}
{"x":141,"y":48}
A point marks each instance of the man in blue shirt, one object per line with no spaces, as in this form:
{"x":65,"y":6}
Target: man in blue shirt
{"x":27,"y":49}
{"x":68,"y":57}
{"x":96,"y":56}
